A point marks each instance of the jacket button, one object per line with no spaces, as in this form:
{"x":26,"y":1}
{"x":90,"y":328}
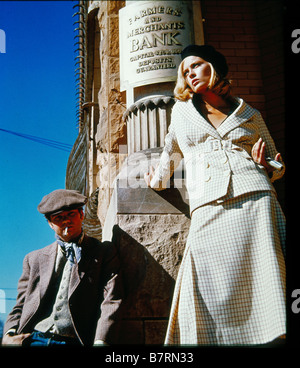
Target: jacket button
{"x":207,"y":178}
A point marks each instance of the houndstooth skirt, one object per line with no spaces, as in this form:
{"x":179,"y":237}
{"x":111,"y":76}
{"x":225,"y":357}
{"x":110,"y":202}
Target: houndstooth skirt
{"x":230,"y":289}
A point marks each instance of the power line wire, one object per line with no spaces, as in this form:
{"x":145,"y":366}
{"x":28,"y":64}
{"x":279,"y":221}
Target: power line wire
{"x":48,"y":142}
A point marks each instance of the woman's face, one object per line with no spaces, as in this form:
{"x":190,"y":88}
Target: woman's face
{"x":196,"y":72}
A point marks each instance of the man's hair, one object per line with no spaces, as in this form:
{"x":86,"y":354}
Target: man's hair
{"x":48,"y":216}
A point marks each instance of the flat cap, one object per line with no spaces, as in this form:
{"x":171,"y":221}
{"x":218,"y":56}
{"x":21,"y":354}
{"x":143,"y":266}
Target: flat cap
{"x":61,"y":200}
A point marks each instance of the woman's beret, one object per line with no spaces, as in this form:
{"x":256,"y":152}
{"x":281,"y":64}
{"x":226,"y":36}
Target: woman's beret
{"x":209,"y":54}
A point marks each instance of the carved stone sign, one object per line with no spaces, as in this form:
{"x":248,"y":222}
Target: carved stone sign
{"x":152,"y":36}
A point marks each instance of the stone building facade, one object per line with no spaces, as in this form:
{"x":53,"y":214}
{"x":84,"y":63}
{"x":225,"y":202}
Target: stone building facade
{"x":126,"y":66}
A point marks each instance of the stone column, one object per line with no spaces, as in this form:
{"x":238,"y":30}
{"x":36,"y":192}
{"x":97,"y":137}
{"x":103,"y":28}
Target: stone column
{"x":147,"y":122}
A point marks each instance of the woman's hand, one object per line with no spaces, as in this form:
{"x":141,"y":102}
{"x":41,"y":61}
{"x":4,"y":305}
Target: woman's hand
{"x":258,"y":155}
{"x":149,"y":175}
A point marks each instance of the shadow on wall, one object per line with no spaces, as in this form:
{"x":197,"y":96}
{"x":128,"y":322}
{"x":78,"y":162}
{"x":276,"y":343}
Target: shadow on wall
{"x":149,"y":290}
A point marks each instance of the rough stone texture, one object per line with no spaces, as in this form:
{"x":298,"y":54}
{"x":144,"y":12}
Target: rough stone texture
{"x":109,"y":95}
{"x":109,"y":165}
{"x":163,"y":236}
{"x":102,"y":132}
{"x":91,"y":223}
{"x":151,"y":249}
{"x":111,"y":130}
{"x":148,"y":286}
{"x":76,"y":167}
{"x":92,"y":228}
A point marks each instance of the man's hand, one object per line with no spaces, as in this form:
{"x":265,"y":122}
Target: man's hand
{"x":14,"y":339}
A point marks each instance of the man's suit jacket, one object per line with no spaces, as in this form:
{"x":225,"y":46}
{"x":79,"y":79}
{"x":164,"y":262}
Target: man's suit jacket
{"x":95,"y":291}
{"x":215,"y":159}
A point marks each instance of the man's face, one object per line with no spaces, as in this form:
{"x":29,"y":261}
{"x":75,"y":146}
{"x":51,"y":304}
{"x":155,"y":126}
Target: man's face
{"x":72,"y":220}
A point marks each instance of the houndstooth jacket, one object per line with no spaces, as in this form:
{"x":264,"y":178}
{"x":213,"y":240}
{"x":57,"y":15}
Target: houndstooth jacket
{"x":218,"y":161}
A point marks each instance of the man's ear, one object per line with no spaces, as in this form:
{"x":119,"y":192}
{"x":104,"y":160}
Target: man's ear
{"x":81,"y":214}
{"x":50,"y":224}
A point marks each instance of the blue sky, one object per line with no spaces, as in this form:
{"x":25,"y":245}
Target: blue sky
{"x":37,"y":97}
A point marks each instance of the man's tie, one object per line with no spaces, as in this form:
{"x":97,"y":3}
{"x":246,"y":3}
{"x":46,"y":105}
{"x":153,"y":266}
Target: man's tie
{"x":72,"y":251}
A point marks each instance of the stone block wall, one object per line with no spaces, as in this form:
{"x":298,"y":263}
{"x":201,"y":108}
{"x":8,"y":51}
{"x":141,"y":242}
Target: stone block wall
{"x":150,"y":247}
{"x":111,"y":130}
{"x":76,"y":167}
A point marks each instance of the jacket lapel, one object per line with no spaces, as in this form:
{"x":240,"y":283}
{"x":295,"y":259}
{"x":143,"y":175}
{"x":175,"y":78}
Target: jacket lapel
{"x":79,"y":270}
{"x":46,"y":264}
{"x":199,"y":120}
{"x":74,"y":280}
{"x":241,"y":114}
{"x":47,"y":260}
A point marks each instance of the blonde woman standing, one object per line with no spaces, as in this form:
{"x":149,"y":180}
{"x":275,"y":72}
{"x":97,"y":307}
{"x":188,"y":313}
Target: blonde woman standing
{"x":230,"y":288}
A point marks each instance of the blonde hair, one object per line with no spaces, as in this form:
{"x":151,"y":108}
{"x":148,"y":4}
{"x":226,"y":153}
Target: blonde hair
{"x":220,"y":86}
